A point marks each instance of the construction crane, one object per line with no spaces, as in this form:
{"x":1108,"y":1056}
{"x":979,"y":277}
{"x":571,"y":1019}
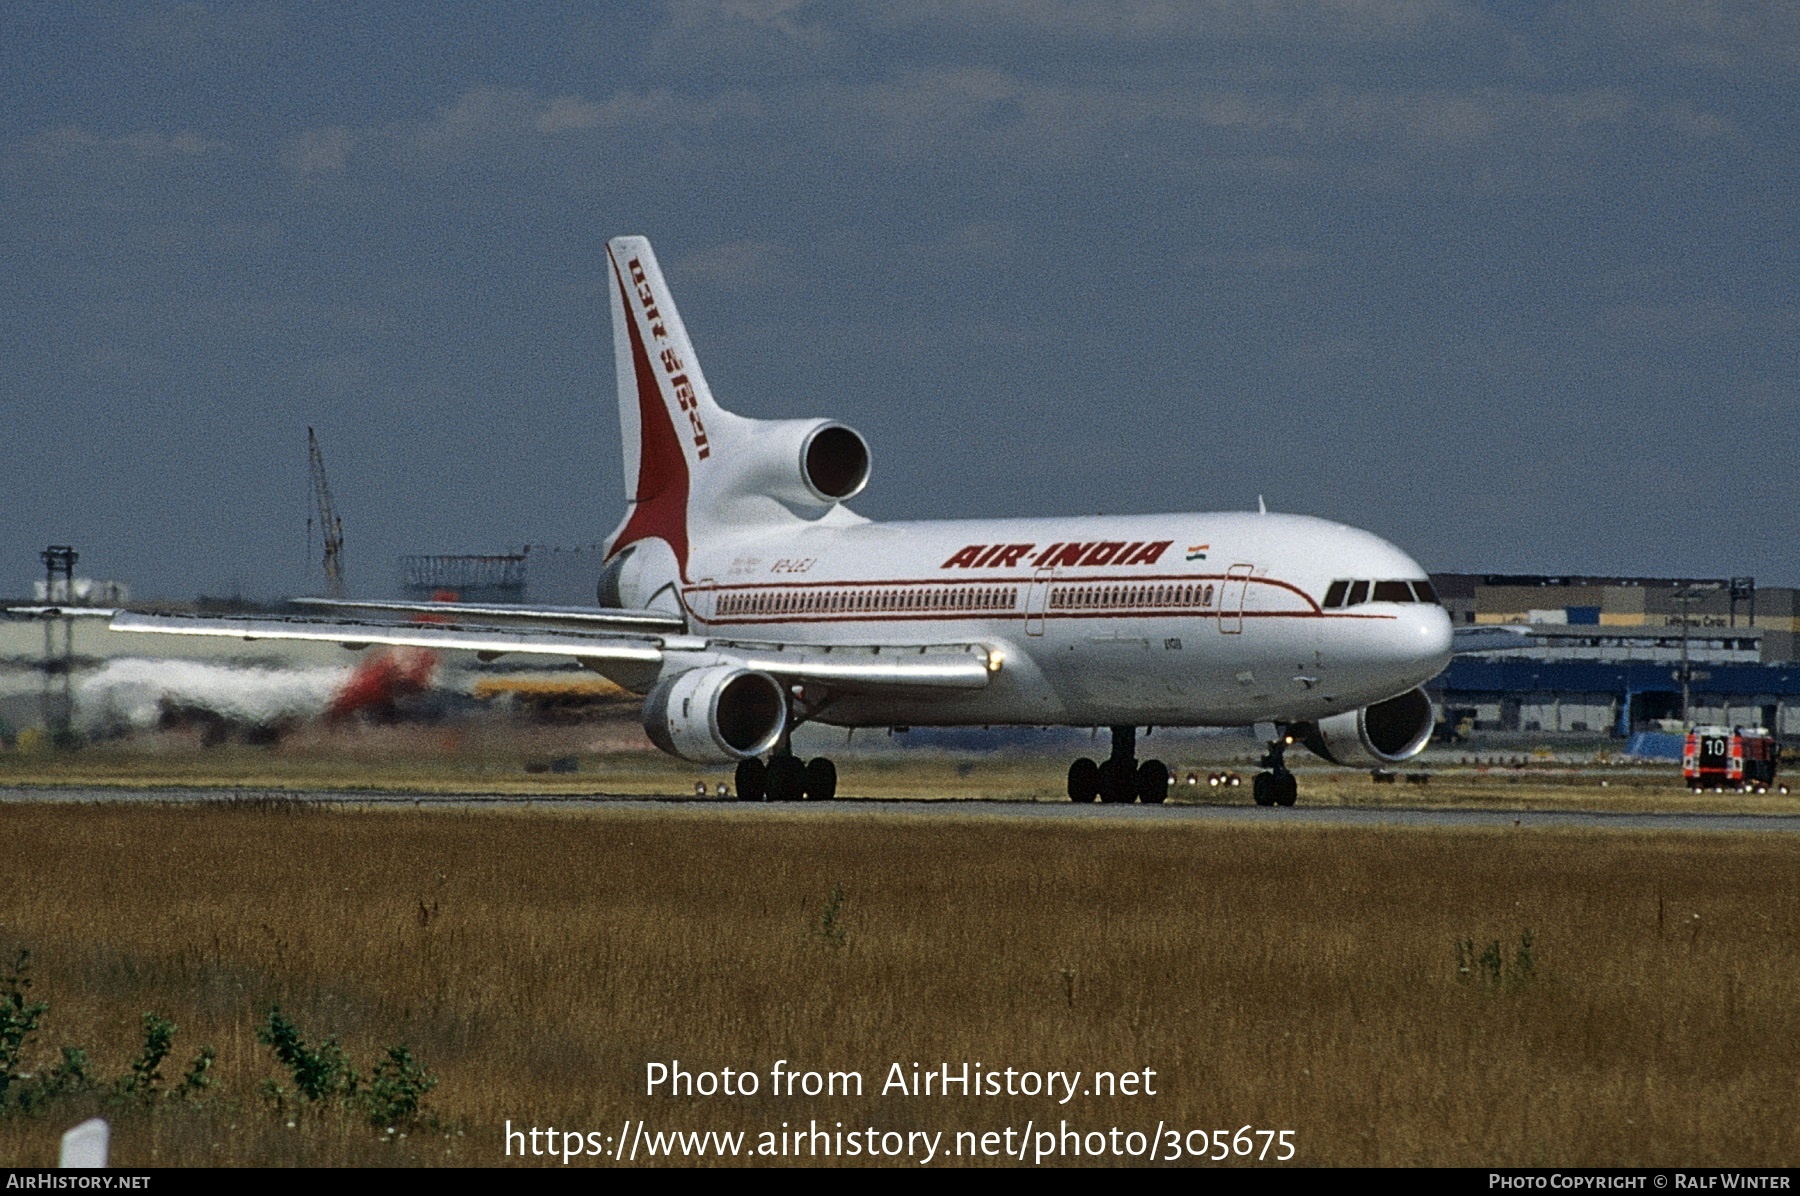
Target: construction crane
{"x":331,"y":528}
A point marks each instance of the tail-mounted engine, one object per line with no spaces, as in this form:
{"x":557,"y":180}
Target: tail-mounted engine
{"x":1385,"y":733}
{"x":806,"y":463}
{"x":716,"y":715}
{"x":643,"y":576}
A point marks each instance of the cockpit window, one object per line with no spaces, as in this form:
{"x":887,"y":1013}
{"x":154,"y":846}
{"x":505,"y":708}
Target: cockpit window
{"x":1343,"y":593}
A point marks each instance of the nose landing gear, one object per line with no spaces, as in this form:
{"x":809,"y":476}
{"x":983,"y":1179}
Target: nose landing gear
{"x":1276,"y":786}
{"x":1121,"y":777}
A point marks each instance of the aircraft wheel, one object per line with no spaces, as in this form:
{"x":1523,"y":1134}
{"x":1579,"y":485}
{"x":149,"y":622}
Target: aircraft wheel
{"x":1286,"y":787}
{"x":1084,"y":780}
{"x":1153,"y":782}
{"x":787,"y":778}
{"x":752,"y":780}
{"x":1263,"y":788}
{"x":821,"y":779}
{"x":1118,"y":781}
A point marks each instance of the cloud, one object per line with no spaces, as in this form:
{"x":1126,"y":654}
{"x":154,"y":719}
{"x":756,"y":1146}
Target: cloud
{"x":1162,"y":21}
{"x":195,"y":33}
{"x":145,"y":146}
{"x":738,"y":266}
{"x":486,"y":124}
{"x":319,"y":152}
{"x":564,"y":113}
{"x":1728,"y":36}
{"x":750,"y":42}
{"x":1697,"y":320}
{"x":72,"y":166}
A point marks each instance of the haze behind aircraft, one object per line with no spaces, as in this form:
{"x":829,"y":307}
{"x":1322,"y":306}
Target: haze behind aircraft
{"x":742,"y":597}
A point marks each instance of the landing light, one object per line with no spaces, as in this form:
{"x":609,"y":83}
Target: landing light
{"x":995,"y":658}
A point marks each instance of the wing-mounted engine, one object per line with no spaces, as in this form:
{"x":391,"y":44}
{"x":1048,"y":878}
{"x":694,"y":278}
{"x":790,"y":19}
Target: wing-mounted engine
{"x":809,"y":464}
{"x":716,"y":715}
{"x":1385,"y":733}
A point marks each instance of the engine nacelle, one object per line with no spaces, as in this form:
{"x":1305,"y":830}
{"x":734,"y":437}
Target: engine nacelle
{"x":807,"y":463}
{"x":1385,"y":733}
{"x":644,"y":576}
{"x":716,"y":715}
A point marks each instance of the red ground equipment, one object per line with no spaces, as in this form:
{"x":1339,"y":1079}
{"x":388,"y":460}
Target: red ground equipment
{"x":1736,"y":758}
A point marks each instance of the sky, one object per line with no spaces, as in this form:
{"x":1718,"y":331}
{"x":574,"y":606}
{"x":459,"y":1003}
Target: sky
{"x":1512,"y":285}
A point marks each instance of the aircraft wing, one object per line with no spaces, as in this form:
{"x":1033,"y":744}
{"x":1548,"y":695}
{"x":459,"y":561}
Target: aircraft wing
{"x":619,"y":654}
{"x":360,"y":633}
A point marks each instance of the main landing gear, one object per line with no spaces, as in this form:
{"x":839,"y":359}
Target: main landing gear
{"x":1120,"y":777}
{"x":786,"y":778}
{"x":1276,"y":786}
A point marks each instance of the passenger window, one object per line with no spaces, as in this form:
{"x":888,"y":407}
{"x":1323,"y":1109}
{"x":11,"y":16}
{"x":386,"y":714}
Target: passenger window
{"x":1334,"y":597}
{"x":1393,"y":591}
{"x":1359,"y":593}
{"x":1423,"y":591}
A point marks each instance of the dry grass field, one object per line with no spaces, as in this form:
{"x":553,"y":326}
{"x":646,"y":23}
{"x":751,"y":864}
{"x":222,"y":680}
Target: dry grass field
{"x":1285,"y":977}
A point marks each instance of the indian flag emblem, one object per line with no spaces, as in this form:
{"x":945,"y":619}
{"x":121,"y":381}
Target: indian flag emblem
{"x":1197,"y":552}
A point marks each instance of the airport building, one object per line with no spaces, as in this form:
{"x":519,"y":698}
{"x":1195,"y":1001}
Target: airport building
{"x":1616,"y":655}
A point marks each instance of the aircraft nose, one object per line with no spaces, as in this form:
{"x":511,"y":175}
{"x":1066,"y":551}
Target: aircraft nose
{"x":1432,"y":634}
{"x":1414,"y":645}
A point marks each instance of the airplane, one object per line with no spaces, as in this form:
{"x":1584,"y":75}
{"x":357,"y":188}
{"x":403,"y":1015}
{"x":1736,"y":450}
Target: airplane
{"x":742,"y":597}
{"x":260,"y":703}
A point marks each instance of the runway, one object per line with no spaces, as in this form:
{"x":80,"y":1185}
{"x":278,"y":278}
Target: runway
{"x":1409,"y":816}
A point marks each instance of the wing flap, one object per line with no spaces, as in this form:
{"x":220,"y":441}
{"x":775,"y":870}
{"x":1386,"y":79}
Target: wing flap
{"x":859,"y":667}
{"x":595,"y":618}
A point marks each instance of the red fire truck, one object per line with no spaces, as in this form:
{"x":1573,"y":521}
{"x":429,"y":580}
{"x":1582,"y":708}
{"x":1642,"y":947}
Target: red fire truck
{"x":1737,"y":758}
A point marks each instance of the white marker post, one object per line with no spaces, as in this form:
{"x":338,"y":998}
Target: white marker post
{"x":85,"y":1145}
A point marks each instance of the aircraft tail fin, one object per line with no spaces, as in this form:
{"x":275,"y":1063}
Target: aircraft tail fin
{"x":665,"y":404}
{"x":691,"y":467}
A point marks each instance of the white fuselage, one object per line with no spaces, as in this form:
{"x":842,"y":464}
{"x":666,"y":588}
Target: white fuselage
{"x":1169,"y":620}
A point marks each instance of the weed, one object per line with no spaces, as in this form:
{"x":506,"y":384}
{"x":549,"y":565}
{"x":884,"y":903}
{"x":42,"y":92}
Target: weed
{"x":1490,"y":966}
{"x":831,"y":927}
{"x":322,"y":1075}
{"x":146,"y":1070}
{"x":198,"y":1078}
{"x":19,"y":1019}
{"x":71,"y":1073}
{"x":397,"y":1088}
{"x":1491,"y":962}
{"x":319,"y":1073}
